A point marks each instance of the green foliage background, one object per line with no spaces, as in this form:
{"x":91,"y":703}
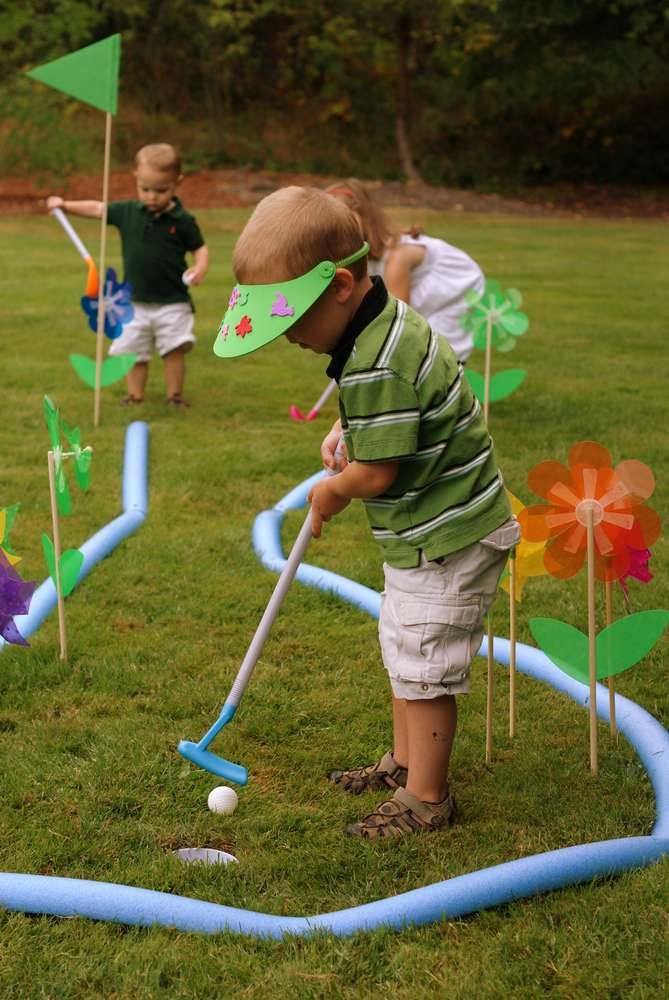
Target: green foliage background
{"x":520,"y":91}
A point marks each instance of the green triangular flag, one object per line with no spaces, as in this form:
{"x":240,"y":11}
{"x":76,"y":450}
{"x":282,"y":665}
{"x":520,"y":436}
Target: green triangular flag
{"x":89,"y":74}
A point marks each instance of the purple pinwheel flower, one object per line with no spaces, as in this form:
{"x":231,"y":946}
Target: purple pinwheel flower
{"x":15,"y":597}
{"x":119,"y":309}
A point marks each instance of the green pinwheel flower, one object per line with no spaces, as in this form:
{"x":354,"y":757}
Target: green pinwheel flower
{"x":82,"y":456}
{"x":498,"y":311}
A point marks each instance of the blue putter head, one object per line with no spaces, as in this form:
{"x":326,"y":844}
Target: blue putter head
{"x":197,"y":753}
{"x":210,"y":762}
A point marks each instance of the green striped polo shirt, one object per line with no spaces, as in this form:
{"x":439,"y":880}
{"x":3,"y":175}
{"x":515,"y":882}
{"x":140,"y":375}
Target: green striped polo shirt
{"x":403,"y":396}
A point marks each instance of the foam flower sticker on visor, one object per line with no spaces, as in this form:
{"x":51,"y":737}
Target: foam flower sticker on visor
{"x":622,"y":521}
{"x":260,"y":314}
{"x":500,"y":309}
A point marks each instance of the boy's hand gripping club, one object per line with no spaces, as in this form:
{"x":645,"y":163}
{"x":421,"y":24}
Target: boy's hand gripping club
{"x":198,"y":753}
{"x":92,"y":282}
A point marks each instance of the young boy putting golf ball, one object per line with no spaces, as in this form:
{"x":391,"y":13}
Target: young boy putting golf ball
{"x":419,"y":457}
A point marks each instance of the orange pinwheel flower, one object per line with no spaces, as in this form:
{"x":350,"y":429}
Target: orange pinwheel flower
{"x":616,"y":497}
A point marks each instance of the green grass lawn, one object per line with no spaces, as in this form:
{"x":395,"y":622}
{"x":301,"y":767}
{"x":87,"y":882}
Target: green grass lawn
{"x":92,"y":784}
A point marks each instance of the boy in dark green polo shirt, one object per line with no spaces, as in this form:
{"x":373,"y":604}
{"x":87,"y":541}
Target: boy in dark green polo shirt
{"x":156,"y":233}
{"x":419,"y":456}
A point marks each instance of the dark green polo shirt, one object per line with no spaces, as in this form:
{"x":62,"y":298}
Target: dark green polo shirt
{"x":154,"y":249}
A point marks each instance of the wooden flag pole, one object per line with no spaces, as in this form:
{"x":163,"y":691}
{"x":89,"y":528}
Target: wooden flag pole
{"x":489,"y":705}
{"x":592,"y":638}
{"x":613,"y":726}
{"x":56,"y":548}
{"x":488,"y":366}
{"x":512,"y":643}
{"x":99,"y":340}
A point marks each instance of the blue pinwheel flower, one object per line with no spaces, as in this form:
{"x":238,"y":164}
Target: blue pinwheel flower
{"x":119,"y":309}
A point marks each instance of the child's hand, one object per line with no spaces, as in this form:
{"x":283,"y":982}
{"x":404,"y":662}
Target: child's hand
{"x":325,"y":503}
{"x":194,"y":275}
{"x":329,"y":447}
{"x":54,"y":201}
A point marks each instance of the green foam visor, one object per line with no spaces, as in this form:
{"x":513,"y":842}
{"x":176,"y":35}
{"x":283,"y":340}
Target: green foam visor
{"x":258,"y":314}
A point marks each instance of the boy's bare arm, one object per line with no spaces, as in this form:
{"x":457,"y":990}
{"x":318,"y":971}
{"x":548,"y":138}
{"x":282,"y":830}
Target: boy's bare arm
{"x":359,"y":480}
{"x":89,"y":209}
{"x":197,"y":272}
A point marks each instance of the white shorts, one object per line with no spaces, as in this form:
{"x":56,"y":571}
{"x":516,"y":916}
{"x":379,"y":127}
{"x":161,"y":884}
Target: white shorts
{"x":163,"y":327}
{"x":432,"y":617}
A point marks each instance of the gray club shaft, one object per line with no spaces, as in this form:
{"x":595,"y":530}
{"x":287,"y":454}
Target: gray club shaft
{"x":271,"y":611}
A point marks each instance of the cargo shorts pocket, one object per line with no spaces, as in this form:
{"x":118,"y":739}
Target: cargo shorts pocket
{"x":436,"y":637}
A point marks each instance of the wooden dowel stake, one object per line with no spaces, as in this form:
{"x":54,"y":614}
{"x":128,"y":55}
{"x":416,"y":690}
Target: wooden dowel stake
{"x":56,"y":548}
{"x":512,"y":643}
{"x":592,"y":640}
{"x":487,"y":369}
{"x":489,"y":698}
{"x":99,"y":339}
{"x":613,"y":726}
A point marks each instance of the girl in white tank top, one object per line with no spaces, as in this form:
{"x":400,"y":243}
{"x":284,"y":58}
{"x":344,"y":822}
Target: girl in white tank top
{"x":430,"y":275}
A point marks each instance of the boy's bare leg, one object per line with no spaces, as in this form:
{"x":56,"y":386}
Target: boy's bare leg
{"x":175,"y":371}
{"x":430,"y":727}
{"x":136,"y":379}
{"x":400,"y":735}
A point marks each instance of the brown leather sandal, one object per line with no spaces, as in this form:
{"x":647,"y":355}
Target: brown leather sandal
{"x":381,"y":776}
{"x":403,"y":814}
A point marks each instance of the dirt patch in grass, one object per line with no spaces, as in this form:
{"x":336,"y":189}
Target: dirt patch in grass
{"x":239,"y":188}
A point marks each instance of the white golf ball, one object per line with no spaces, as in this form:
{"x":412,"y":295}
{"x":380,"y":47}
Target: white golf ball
{"x":222,"y":800}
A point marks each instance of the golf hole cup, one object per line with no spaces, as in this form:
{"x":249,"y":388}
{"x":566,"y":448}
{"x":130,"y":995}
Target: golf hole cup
{"x":222,"y":800}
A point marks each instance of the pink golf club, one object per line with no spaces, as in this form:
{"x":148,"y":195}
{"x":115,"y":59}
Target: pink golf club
{"x":297,"y":414}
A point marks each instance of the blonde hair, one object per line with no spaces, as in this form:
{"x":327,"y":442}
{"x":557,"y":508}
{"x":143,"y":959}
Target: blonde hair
{"x":292,"y":230}
{"x":377,"y":228}
{"x":160,"y":156}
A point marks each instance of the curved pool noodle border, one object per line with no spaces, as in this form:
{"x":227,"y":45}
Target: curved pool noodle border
{"x":453,"y":898}
{"x":135,"y":501}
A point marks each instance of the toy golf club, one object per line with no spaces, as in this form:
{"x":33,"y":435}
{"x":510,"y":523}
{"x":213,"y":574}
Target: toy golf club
{"x":297,"y":414}
{"x":92,"y":281}
{"x":198,"y":753}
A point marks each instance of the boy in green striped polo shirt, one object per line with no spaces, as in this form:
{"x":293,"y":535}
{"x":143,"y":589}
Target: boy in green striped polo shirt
{"x":419,"y":456}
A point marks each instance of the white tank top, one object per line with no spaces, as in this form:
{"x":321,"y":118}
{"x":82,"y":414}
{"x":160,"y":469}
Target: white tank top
{"x":438,"y":287}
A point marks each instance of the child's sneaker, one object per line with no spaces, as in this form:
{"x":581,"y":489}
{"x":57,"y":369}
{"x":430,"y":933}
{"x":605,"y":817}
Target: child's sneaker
{"x":372,"y":778}
{"x":403,"y":814}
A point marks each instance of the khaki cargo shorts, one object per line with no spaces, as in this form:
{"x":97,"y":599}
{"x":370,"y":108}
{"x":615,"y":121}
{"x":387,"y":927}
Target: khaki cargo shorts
{"x":163,"y":327}
{"x":432,"y":617}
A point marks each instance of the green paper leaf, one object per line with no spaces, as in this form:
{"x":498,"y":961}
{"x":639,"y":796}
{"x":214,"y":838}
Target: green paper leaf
{"x":514,"y":297}
{"x":626,"y":641}
{"x":82,"y":456}
{"x":564,"y":645}
{"x":112,"y":369}
{"x":10,"y":514}
{"x":70,"y":565}
{"x":49,"y":556}
{"x":89,"y":74}
{"x":477,"y":383}
{"x":502,"y":384}
{"x":63,"y":498}
{"x":52,"y":422}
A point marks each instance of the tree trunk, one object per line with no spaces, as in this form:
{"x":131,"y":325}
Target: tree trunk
{"x":403,"y":146}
